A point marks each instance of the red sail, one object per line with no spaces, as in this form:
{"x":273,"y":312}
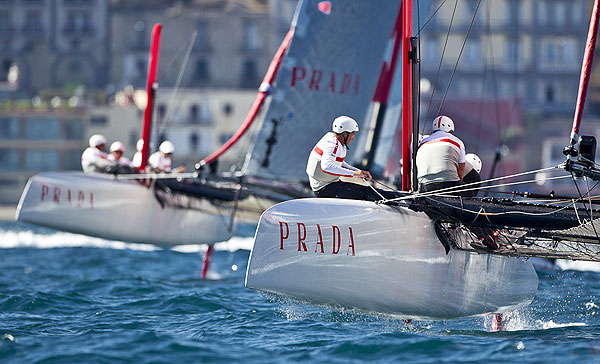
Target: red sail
{"x":151,"y":88}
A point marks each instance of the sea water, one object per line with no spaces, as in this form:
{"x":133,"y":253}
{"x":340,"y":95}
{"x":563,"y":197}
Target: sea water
{"x":68,"y":298}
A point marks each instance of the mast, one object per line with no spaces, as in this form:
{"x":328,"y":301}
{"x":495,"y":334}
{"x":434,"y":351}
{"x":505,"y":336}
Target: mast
{"x":263,"y":91}
{"x":407,"y":21}
{"x":586,"y":70}
{"x":151,"y":88}
{"x":381,"y":96}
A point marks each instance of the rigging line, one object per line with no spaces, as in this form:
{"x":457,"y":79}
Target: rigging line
{"x":505,"y":212}
{"x":459,"y":55}
{"x":439,"y":70}
{"x":430,"y":18}
{"x":456,"y":189}
{"x":162,"y":123}
{"x":383,"y":199}
{"x":480,"y":182}
{"x":590,"y":213}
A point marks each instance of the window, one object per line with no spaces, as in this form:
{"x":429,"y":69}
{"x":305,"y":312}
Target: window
{"x":542,"y":12}
{"x":140,"y":39}
{"x":9,"y":128}
{"x":98,"y":120}
{"x":9,"y":159}
{"x":74,"y":66}
{"x":201,"y":72}
{"x":194,"y":115}
{"x":549,"y":94}
{"x":5,"y":21}
{"x":72,"y":160}
{"x":252,"y":39}
{"x":4,"y":68}
{"x":473,"y":56}
{"x":194,"y":142}
{"x":202,"y":36}
{"x":42,"y":160}
{"x":33,"y":21}
{"x":512,"y":51}
{"x":78,"y":22}
{"x":249,"y":74}
{"x":73,"y":129}
{"x":42,"y":128}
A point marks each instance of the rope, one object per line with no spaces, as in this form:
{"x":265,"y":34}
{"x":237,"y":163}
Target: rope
{"x":456,"y":188}
{"x":383,"y":199}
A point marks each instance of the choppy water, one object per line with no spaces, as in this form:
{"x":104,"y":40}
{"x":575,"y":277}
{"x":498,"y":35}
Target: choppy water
{"x":73,"y":299}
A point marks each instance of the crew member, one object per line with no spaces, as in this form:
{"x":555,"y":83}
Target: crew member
{"x":161,"y":161}
{"x":326,"y":165}
{"x":137,"y":157}
{"x":123,"y":164}
{"x":116,"y":154}
{"x":472,"y":168}
{"x":94,"y":159}
{"x":440,"y":157}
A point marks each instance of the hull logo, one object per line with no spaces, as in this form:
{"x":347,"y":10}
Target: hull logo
{"x":304,"y":238}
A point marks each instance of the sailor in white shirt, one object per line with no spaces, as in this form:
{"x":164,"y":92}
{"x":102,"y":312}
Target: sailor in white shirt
{"x":161,"y":161}
{"x":94,"y":159}
{"x":440,"y":157}
{"x":326,"y":164}
{"x":116,"y":154}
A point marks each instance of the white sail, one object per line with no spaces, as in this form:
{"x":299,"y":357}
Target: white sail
{"x":330,"y":69}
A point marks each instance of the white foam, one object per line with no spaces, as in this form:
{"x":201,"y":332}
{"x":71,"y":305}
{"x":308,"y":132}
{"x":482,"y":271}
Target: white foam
{"x":20,"y":239}
{"x":583,"y":266}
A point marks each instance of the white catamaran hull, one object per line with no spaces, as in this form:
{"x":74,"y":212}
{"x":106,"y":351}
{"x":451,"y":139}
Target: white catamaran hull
{"x":98,"y":205}
{"x":382,"y":259}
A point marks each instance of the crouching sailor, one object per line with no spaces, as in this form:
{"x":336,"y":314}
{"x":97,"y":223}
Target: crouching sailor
{"x":94,"y":158}
{"x":326,"y":165}
{"x":440,"y":157}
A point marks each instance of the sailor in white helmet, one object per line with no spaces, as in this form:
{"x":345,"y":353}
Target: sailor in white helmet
{"x":161,"y":161}
{"x":472,"y":169}
{"x":94,"y":159}
{"x":116,"y":154}
{"x":440,"y":157}
{"x":326,"y":164}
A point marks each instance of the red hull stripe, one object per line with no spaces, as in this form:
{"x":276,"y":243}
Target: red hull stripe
{"x":443,"y":140}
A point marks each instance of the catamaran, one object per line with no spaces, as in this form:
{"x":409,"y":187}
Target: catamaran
{"x":428,"y":256}
{"x":327,"y":65}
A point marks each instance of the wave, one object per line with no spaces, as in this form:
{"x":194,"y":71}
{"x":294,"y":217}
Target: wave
{"x":31,"y":239}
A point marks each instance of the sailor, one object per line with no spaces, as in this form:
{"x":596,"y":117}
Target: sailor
{"x":94,"y":159}
{"x":116,"y":154}
{"x":137,"y":157}
{"x":440,"y":157}
{"x":161,"y":161}
{"x":326,"y":165}
{"x":472,"y":168}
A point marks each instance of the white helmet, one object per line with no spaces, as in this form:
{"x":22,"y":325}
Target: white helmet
{"x":117,"y":147}
{"x":475,"y":161}
{"x":443,"y":123}
{"x":96,"y":140}
{"x":166,"y":147}
{"x":344,"y":123}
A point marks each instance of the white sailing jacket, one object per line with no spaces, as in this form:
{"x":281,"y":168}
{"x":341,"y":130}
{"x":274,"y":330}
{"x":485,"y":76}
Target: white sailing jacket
{"x":438,"y":158}
{"x":326,"y":162}
{"x":158,"y":161}
{"x":94,"y":160}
